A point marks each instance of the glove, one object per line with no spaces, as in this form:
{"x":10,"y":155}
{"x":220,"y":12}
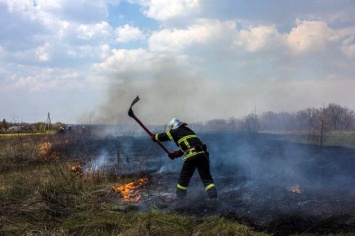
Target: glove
{"x":153,"y":137}
{"x":174,"y":155}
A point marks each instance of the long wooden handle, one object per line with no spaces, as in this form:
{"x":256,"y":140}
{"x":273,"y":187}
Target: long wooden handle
{"x":150,"y":133}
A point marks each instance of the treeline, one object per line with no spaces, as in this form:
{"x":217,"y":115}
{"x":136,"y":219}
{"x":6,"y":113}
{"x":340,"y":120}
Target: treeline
{"x":316,"y":123}
{"x":333,"y":117}
{"x":23,"y":127}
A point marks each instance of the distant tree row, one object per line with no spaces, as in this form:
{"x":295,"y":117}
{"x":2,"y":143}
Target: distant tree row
{"x":317,"y":123}
{"x":22,"y":127}
{"x":334,"y":117}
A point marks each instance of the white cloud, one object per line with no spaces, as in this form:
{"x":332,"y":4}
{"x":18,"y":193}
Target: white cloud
{"x":43,"y":31}
{"x":348,"y":46}
{"x":48,"y":79}
{"x":165,"y":10}
{"x":35,"y":84}
{"x":122,"y":60}
{"x":202,"y":33}
{"x":209,"y":46}
{"x":100,"y":30}
{"x":42,"y":53}
{"x":260,"y":37}
{"x":128,"y":33}
{"x":20,"y":5}
{"x":310,"y":36}
{"x":82,"y":12}
{"x":105,"y":51}
{"x":257,"y":53}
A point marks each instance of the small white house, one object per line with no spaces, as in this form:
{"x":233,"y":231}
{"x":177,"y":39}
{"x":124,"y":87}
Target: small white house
{"x":15,"y":128}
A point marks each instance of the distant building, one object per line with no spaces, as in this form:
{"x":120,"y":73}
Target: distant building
{"x":15,"y":128}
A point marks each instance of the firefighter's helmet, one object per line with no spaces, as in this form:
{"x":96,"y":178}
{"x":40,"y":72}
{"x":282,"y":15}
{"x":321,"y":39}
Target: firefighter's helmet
{"x":174,"y":124}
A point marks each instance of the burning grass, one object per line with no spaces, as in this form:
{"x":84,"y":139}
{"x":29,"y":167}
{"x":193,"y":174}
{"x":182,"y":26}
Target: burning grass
{"x":79,"y":191}
{"x":45,"y":148}
{"x":295,"y":189}
{"x":45,"y":196}
{"x":130,"y":191}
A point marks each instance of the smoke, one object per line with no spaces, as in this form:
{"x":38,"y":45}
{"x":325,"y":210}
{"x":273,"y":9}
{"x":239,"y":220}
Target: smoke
{"x":186,"y":87}
{"x":265,"y":161}
{"x":260,"y":159}
{"x":253,"y":176}
{"x":175,"y":89}
{"x":103,"y":161}
{"x":171,"y":89}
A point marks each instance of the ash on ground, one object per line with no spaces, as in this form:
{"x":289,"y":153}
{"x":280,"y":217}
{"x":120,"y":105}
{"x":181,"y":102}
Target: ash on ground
{"x":275,"y":186}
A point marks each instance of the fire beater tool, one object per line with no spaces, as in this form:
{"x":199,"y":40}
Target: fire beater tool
{"x":131,"y":114}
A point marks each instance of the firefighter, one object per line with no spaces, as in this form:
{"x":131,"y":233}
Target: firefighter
{"x":195,"y":155}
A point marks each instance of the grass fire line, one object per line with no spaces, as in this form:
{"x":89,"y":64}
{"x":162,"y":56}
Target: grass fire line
{"x":129,"y":192}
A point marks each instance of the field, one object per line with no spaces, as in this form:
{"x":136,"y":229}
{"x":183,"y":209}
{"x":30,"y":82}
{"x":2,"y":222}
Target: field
{"x":43,"y":194}
{"x":344,"y":138}
{"x":64,"y":185}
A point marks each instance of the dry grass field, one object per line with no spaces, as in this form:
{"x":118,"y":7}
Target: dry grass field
{"x":42,"y":193}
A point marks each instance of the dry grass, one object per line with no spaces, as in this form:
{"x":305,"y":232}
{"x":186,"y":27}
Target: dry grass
{"x":41,"y":195}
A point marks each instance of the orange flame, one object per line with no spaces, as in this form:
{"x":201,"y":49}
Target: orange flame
{"x":129,"y":191}
{"x":45,"y":148}
{"x":295,"y":189}
{"x":77,"y":169}
{"x":46,"y":151}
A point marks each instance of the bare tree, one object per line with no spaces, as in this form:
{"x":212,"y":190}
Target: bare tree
{"x":306,"y":121}
{"x":319,"y":126}
{"x":234,"y":124}
{"x":268,"y":121}
{"x":324,"y":126}
{"x":4,"y":125}
{"x":251,"y":123}
{"x":217,"y":125}
{"x":335,"y":113}
{"x":348,"y":119}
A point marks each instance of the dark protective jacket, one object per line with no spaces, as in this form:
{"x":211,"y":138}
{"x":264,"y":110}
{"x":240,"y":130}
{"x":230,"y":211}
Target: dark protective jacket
{"x":187,"y":141}
{"x":195,"y":155}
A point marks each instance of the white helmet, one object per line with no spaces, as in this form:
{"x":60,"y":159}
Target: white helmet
{"x":174,"y":124}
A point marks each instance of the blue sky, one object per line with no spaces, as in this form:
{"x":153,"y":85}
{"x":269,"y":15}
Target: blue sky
{"x":192,"y":59}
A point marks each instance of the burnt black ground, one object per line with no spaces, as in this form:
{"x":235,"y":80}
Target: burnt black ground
{"x":253,"y":176}
{"x":268,"y":208}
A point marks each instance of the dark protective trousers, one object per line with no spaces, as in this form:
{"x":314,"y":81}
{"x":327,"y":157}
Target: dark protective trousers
{"x":201,"y":162}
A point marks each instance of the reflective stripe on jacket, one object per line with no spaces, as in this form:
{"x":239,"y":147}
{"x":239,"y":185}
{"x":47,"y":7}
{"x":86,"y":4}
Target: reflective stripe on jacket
{"x":185,"y":139}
